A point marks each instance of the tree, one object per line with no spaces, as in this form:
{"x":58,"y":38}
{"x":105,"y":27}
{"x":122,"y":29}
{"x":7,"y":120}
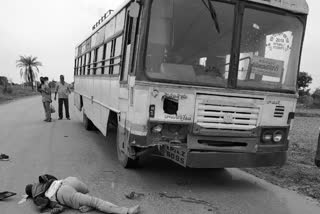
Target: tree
{"x":316,"y":97}
{"x":304,"y":80}
{"x":29,"y":68}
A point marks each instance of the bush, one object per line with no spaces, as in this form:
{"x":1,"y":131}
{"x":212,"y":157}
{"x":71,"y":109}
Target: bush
{"x":7,"y":89}
{"x":316,"y":97}
{"x":306,"y":100}
{"x":3,"y":81}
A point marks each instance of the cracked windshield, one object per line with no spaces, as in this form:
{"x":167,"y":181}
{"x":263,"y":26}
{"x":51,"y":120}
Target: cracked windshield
{"x":190,"y":41}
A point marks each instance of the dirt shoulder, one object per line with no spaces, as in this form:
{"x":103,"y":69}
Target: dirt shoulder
{"x":16,"y":93}
{"x":299,"y":174}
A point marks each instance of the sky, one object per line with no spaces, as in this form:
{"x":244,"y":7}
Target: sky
{"x":50,"y":30}
{"x":47,"y":29}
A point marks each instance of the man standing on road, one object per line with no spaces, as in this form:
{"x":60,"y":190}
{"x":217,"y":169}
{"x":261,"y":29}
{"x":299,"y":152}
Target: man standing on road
{"x":46,"y":98}
{"x":63,"y":90}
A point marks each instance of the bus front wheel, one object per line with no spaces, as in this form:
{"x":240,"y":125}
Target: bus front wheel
{"x":123,"y":158}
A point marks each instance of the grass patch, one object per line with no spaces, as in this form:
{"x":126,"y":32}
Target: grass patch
{"x":299,"y":174}
{"x":308,"y":112}
{"x":16,"y":92}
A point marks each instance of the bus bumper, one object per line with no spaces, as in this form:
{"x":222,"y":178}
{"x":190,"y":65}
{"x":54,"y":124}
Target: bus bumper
{"x":201,"y":159}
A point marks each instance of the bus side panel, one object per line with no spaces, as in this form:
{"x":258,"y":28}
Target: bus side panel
{"x":269,"y":112}
{"x":114,"y":92}
{"x":138,"y":111}
{"x":76,"y":96}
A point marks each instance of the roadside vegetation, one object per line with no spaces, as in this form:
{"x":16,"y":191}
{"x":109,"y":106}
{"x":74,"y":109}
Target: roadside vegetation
{"x":300,"y":173}
{"x":15,"y":91}
{"x":29,"y":68}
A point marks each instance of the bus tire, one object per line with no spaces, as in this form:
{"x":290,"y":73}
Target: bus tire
{"x":88,"y":125}
{"x":123,"y":158}
{"x":317,"y":163}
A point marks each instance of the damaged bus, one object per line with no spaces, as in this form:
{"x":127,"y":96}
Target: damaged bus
{"x":204,"y":83}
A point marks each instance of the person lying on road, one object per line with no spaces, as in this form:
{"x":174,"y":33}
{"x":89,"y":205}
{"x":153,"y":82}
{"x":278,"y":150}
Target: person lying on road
{"x":54,"y":194}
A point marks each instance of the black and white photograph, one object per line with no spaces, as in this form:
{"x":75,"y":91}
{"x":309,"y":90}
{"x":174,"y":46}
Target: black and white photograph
{"x":159,"y":106}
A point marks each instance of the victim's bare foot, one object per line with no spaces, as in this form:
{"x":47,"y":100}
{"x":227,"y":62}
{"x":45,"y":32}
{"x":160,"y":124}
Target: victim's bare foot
{"x":134,"y":210}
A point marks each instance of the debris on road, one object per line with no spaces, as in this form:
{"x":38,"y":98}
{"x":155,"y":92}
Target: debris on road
{"x":134,"y":195}
{"x":24,"y":199}
{"x":4,"y":157}
{"x":6,"y":194}
{"x":188,"y":200}
{"x":164,"y":194}
{"x":196,"y":201}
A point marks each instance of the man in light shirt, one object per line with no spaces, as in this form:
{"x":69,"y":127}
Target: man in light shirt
{"x":63,"y":91}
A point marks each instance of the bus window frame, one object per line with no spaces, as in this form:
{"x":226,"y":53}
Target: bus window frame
{"x":94,"y":46}
{"x":130,"y":37}
{"x":84,"y":64}
{"x":75,"y":67}
{"x":239,"y":8}
{"x":88,"y":62}
{"x":301,"y":17}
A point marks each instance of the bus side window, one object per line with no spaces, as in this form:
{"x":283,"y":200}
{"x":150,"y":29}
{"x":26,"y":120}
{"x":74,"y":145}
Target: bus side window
{"x":78,"y":66}
{"x":103,"y":59}
{"x":99,"y":58}
{"x":128,"y":47}
{"x":107,"y":53}
{"x":95,"y":61}
{"x":75,"y":67}
{"x":84,"y":65}
{"x":113,"y":47}
{"x":91,"y":62}
{"x":88,"y":63}
{"x":117,"y":55}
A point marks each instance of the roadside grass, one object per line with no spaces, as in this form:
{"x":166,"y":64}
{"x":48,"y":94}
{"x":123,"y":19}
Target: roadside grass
{"x":17,"y":92}
{"x":308,"y":112}
{"x":299,"y":173}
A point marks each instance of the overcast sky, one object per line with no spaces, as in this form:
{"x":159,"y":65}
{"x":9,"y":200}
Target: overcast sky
{"x":50,"y":30}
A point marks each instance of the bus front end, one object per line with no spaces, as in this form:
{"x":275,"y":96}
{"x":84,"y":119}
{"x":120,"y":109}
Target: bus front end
{"x":218,"y":81}
{"x":213,"y":129}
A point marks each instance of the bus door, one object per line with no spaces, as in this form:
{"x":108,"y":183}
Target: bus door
{"x":128,"y":59}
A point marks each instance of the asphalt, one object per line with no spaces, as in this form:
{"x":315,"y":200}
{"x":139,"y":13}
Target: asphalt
{"x":64,"y":148}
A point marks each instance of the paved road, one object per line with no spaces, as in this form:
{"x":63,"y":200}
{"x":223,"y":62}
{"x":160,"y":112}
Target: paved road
{"x":64,"y":148}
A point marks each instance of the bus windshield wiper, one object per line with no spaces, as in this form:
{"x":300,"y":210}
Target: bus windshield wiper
{"x":213,"y":13}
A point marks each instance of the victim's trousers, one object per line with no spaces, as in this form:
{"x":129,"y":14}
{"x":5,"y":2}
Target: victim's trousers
{"x":73,"y":193}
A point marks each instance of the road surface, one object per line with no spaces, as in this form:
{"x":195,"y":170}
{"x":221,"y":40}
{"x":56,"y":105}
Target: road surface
{"x":65,"y":148}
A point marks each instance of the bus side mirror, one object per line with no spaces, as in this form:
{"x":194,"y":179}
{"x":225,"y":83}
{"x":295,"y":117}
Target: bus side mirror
{"x":134,"y":10}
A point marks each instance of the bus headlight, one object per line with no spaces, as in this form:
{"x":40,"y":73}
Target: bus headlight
{"x":278,"y":136}
{"x":273,"y":136}
{"x":157,"y":129}
{"x":267,"y":137}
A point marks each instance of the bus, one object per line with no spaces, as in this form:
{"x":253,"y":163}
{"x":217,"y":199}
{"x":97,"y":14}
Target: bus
{"x":204,"y":83}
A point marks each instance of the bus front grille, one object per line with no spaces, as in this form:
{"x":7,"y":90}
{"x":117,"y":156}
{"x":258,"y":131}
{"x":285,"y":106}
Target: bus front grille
{"x":218,"y":114}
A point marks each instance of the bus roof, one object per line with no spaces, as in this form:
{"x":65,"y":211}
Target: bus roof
{"x":297,"y":6}
{"x":125,"y":2}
